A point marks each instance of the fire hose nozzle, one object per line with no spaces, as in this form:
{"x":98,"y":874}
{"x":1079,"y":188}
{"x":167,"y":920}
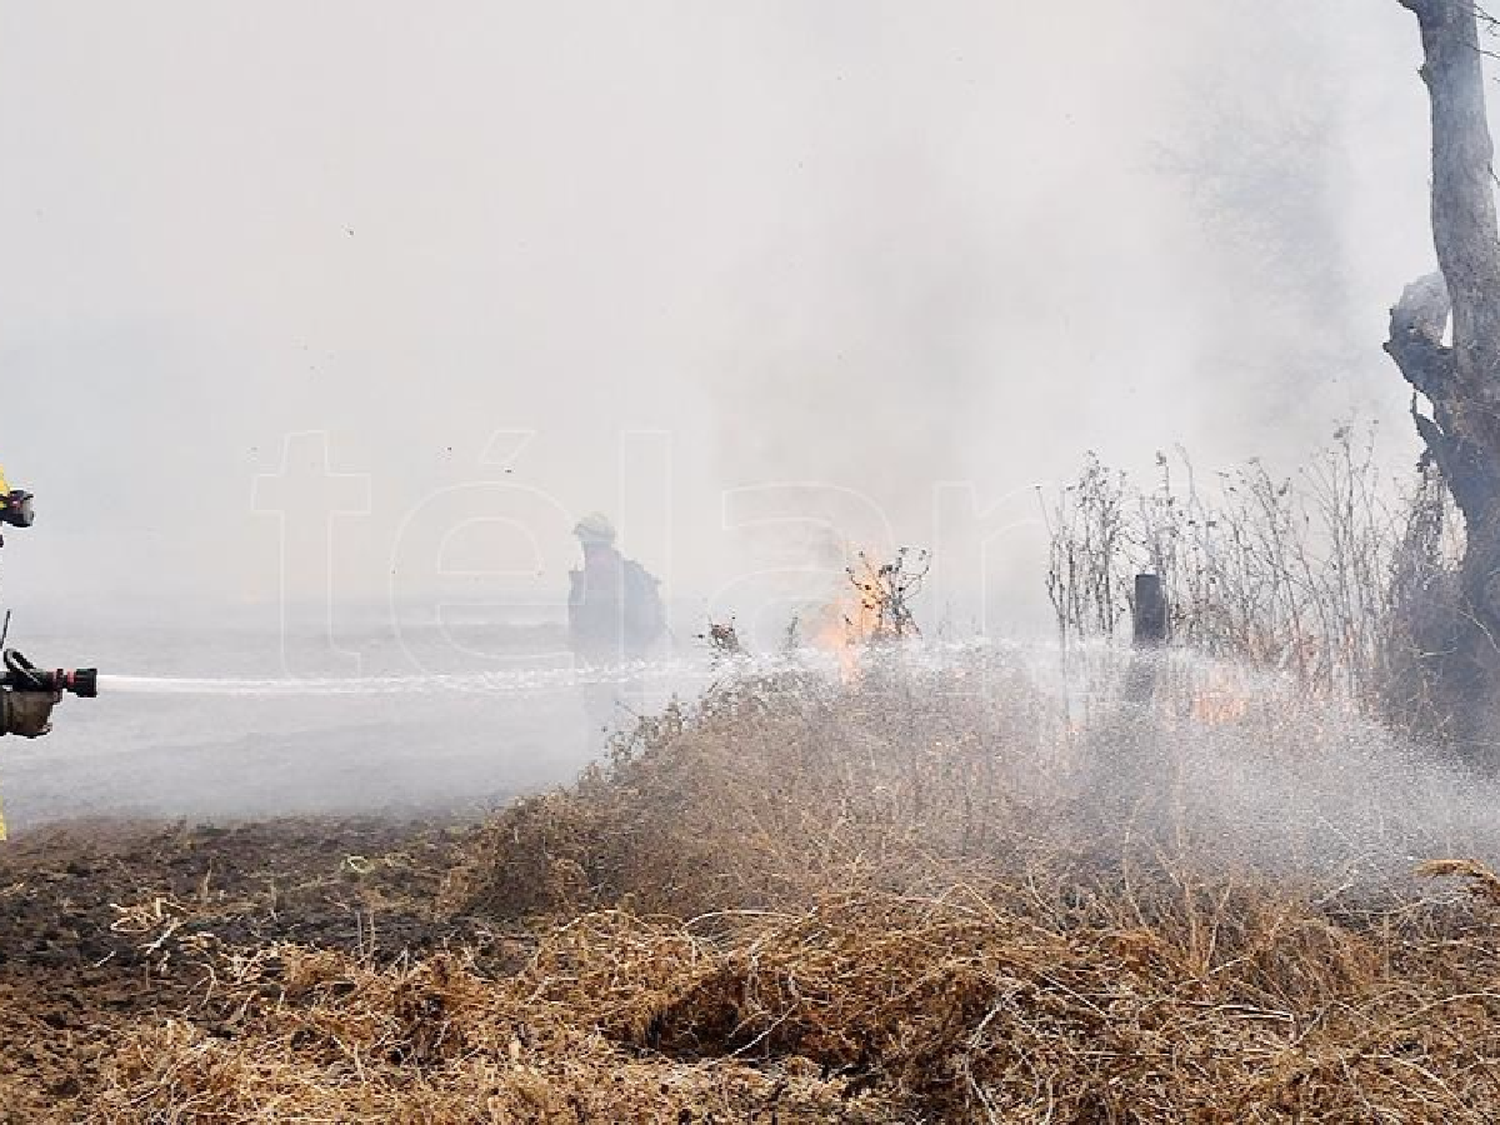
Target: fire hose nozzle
{"x":22,"y":675}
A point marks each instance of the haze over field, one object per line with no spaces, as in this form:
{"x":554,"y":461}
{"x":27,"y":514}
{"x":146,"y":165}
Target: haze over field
{"x":869,"y":246}
{"x":793,"y":559}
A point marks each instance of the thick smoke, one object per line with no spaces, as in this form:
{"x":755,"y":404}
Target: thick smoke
{"x":322,"y":321}
{"x":860,"y":245}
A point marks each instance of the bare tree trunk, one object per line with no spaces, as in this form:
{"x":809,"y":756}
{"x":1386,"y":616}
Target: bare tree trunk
{"x":1461,"y":381}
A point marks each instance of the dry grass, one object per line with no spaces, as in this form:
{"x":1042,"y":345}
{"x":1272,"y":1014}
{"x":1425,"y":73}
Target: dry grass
{"x":1483,"y":882}
{"x":771,"y":791}
{"x":879,"y":902}
{"x":323,"y":1037}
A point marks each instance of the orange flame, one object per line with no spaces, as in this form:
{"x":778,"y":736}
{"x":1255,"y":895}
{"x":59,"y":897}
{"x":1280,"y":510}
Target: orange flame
{"x":1218,"y":710}
{"x":1220,"y":701}
{"x":849,"y":622}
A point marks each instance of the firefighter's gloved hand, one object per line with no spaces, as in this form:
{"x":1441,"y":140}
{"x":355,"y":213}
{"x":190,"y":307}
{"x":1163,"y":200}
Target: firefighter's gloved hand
{"x":27,"y":713}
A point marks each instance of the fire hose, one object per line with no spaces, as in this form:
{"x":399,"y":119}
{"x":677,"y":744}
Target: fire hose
{"x":28,"y":693}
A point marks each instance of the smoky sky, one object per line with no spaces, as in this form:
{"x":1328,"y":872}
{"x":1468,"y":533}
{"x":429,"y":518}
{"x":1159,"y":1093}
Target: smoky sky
{"x":867,"y":247}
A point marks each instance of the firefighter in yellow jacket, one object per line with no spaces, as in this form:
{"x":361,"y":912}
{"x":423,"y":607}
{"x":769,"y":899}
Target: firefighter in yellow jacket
{"x":23,"y":713}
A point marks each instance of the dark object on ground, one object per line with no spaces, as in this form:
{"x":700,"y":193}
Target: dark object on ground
{"x":1150,"y":611}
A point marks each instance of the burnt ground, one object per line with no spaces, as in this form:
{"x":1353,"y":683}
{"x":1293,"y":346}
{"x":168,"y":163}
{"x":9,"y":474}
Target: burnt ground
{"x":104,"y":925}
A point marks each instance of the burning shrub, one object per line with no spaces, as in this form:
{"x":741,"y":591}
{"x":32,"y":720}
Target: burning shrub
{"x":1328,"y":573}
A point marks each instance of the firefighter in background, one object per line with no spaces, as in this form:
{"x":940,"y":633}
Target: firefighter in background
{"x":615,"y":612}
{"x":615,"y":620}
